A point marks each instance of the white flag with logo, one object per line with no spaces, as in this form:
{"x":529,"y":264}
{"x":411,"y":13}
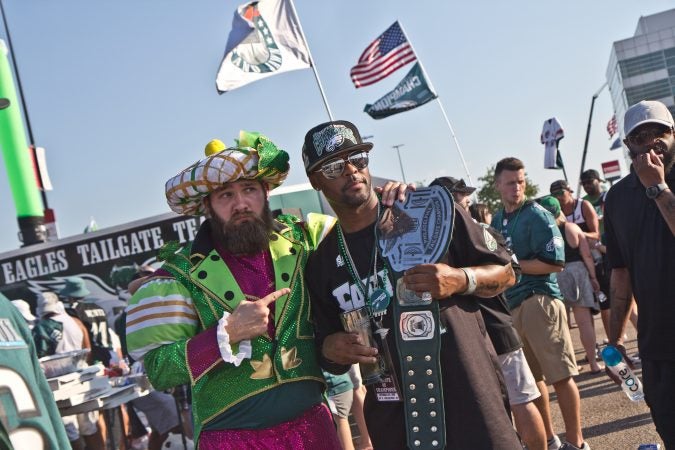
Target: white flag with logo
{"x":265,"y":40}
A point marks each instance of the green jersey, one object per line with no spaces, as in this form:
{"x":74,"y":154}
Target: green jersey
{"x":27,"y":408}
{"x":599,"y":206}
{"x":531,"y":233}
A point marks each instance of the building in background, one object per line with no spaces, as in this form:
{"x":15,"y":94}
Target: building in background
{"x":642,"y":67}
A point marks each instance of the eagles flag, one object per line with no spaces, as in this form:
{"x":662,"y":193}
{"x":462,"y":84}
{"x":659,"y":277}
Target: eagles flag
{"x":411,"y":92}
{"x":265,"y":40}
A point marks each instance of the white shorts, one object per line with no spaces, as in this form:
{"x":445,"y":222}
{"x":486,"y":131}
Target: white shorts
{"x":518,"y":377}
{"x":84,"y":424}
{"x":355,"y":375}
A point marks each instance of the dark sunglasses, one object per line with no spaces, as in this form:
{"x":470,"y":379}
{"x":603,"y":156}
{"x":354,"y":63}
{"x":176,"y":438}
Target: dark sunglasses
{"x":334,"y":168}
{"x":647,"y":134}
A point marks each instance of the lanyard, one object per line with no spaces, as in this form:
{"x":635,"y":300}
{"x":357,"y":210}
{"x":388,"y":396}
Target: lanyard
{"x":378,"y":300}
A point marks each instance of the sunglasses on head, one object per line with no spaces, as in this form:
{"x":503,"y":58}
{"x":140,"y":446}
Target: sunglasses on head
{"x":647,"y":134}
{"x":335,"y":167}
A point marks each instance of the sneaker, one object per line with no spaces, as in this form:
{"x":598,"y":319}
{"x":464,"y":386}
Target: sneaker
{"x":568,"y":446}
{"x":554,"y":443}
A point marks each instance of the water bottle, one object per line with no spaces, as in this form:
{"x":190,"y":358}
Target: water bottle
{"x":602,"y":298}
{"x":630,"y":383}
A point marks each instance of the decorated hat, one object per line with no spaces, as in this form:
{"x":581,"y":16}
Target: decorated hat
{"x":75,"y":287}
{"x":254,"y":158}
{"x":550,"y":204}
{"x":330,"y":139}
{"x":24,"y":309}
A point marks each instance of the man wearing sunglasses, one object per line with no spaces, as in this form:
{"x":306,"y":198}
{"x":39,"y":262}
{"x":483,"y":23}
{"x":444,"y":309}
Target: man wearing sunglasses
{"x":576,"y":210}
{"x":346,"y":268}
{"x":640,"y":232}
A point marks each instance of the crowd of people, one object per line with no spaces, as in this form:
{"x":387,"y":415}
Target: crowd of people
{"x":251,"y":315}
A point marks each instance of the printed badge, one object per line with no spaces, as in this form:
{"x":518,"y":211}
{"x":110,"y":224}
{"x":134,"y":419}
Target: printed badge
{"x":417,"y":325}
{"x":385,"y":391}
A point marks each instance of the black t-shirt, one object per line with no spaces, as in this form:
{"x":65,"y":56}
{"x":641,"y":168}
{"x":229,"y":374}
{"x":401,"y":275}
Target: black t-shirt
{"x":638,"y":238}
{"x":95,"y":321}
{"x":496,"y":313}
{"x":475,"y":417}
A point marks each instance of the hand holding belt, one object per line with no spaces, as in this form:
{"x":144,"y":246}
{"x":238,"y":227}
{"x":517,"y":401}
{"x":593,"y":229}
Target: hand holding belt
{"x":419,"y":230}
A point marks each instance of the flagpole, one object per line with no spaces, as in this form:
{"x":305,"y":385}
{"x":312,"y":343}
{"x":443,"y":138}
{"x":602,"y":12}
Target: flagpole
{"x":311,"y":61}
{"x":440,"y":104}
{"x":588,"y":133}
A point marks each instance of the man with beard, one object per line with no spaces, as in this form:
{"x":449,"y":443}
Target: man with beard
{"x":640,"y":232}
{"x":229,"y":313}
{"x":346,"y":268}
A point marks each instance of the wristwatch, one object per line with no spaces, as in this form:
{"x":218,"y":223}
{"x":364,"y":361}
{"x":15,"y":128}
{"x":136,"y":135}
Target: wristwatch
{"x":654,"y":191}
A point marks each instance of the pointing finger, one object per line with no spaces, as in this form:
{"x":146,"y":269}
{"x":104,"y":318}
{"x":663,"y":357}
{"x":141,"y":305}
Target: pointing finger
{"x":274,"y":296}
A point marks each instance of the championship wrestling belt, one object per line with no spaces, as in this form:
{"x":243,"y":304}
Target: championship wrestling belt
{"x":418,"y":231}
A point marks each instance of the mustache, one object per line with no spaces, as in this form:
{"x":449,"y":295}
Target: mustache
{"x":354,"y":180}
{"x":659,"y":147}
{"x":244,"y":215}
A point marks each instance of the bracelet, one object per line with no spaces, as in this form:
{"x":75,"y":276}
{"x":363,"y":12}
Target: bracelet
{"x":470,"y":279}
{"x":226,"y":353}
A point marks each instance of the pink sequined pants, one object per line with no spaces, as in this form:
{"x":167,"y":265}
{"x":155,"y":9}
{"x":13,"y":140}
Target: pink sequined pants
{"x":314,"y":430}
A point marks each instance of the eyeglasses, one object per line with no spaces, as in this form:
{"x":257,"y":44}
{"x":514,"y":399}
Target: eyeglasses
{"x":334,"y":168}
{"x":647,"y":134}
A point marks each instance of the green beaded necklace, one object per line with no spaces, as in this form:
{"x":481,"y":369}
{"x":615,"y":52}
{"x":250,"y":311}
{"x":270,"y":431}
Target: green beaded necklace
{"x":378,"y":300}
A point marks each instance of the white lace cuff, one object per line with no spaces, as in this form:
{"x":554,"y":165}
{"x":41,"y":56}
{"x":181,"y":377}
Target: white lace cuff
{"x":225,"y":347}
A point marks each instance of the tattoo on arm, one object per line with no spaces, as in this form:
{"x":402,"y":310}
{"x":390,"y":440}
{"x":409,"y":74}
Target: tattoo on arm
{"x":497,"y":283}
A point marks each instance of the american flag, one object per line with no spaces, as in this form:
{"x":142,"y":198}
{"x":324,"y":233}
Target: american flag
{"x":386,"y":54}
{"x":612,"y":127}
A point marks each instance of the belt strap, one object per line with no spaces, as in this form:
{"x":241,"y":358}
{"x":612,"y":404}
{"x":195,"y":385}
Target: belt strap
{"x":418,"y":336}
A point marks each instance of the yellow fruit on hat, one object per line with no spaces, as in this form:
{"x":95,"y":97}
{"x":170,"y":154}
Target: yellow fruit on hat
{"x":214,"y":146}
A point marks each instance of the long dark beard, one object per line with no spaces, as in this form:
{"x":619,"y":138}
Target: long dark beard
{"x":247,"y":238}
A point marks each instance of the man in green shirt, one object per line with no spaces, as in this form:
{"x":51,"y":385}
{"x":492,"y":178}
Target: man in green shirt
{"x":590,"y":181}
{"x":538,"y":313}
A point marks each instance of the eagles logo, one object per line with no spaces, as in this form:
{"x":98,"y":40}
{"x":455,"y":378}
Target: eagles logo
{"x":258,"y":52}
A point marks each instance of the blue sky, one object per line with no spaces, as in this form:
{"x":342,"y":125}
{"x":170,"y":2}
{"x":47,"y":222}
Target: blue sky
{"x":122,"y":94}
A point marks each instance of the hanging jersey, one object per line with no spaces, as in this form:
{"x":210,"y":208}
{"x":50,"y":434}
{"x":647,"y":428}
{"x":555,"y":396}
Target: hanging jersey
{"x":27,"y":410}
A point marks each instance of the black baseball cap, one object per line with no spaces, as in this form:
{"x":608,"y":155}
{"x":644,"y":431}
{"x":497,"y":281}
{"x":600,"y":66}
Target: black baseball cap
{"x":330,"y":139}
{"x":558,"y":186}
{"x":590,"y":174}
{"x":454,"y":185}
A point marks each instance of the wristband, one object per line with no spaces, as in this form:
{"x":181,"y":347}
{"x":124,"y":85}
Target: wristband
{"x":225,"y":347}
{"x":471,"y":280}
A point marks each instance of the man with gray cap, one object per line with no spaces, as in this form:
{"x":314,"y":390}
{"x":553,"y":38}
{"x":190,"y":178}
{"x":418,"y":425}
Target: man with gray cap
{"x":640,"y":232}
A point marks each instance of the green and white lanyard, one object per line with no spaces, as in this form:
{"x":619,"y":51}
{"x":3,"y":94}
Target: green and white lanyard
{"x":377,"y":301}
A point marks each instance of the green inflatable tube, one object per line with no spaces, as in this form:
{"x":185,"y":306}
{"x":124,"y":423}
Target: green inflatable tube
{"x":15,"y":147}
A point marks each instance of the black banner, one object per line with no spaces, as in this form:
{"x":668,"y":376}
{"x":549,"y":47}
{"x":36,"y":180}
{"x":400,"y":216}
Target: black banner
{"x":92,"y":256}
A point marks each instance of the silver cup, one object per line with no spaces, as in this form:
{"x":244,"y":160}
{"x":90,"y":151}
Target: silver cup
{"x":358,"y":321}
